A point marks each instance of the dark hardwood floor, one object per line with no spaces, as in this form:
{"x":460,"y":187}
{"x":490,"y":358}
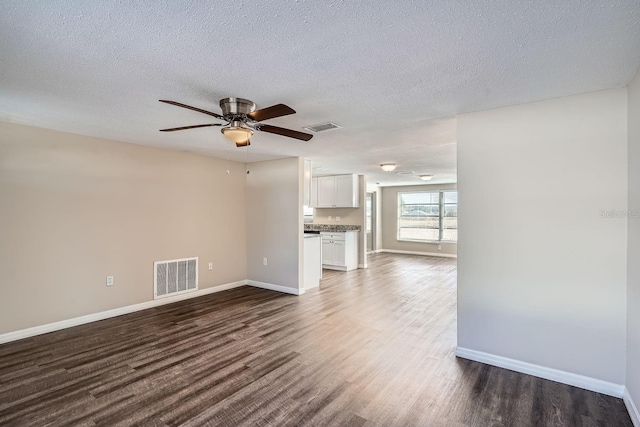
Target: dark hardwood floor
{"x":372,"y":347}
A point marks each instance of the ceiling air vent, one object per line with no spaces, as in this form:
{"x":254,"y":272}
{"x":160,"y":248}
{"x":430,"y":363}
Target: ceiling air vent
{"x":323,"y":127}
{"x":405,"y":173}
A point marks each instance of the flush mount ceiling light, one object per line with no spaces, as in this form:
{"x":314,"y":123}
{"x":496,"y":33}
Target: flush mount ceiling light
{"x":426,"y":177}
{"x":237,"y":134}
{"x":388,"y":167}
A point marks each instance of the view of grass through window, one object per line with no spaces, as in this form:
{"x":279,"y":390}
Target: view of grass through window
{"x":428,"y":216}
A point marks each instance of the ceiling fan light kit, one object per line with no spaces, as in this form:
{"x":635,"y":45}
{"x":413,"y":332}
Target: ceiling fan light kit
{"x":242,"y":119}
{"x":239,"y":135}
{"x":388,"y":167}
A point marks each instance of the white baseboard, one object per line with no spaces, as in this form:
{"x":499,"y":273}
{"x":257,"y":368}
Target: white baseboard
{"x":587,"y":383}
{"x":362,"y":265}
{"x":76,"y":321}
{"x":334,"y":267}
{"x":631,"y":407}
{"x":273,"y":287}
{"x":436,"y":254}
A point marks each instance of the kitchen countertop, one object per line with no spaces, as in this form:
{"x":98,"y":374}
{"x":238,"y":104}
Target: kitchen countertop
{"x":331,"y":227}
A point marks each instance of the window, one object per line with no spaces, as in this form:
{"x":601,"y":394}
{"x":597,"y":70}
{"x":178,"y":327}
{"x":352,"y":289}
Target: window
{"x":449,"y":216}
{"x":428,"y":216}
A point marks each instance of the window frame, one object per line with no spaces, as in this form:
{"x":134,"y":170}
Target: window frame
{"x":440,"y":216}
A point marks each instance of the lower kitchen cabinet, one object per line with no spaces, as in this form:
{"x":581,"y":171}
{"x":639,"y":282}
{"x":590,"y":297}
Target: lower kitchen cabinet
{"x":340,"y":250}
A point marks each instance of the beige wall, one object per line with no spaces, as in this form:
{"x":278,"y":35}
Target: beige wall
{"x":274,"y":221}
{"x":349,"y":216}
{"x":633,"y":254}
{"x":389,"y":221}
{"x":74,"y":209}
{"x":541,"y":274}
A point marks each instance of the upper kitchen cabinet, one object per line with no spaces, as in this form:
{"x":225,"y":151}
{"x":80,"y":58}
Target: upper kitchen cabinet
{"x":338,"y":191}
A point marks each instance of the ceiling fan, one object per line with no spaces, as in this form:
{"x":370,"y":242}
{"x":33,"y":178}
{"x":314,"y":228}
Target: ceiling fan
{"x":242,"y":119}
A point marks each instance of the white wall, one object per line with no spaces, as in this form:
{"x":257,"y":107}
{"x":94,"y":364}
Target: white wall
{"x":633,"y":254}
{"x":541,"y":275}
{"x":275,"y":222}
{"x":389,"y":220}
{"x":74,"y":209}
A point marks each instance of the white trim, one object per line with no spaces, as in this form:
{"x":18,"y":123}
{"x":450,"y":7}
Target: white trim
{"x":587,"y":383}
{"x":334,"y":267}
{"x":76,"y":321}
{"x":436,"y":254}
{"x":273,"y":287}
{"x":631,"y":407}
{"x":429,"y":242}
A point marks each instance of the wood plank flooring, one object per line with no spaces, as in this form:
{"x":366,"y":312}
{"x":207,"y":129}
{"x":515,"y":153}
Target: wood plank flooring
{"x":372,"y":347}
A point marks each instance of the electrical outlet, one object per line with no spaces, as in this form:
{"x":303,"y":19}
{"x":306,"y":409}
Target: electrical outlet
{"x":264,"y":261}
{"x":337,"y":218}
{"x":109,"y":280}
{"x":439,"y":247}
{"x":329,"y":218}
{"x":210,"y":266}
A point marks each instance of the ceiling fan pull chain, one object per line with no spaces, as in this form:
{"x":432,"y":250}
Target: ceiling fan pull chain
{"x":228,"y":156}
{"x":247,"y":159}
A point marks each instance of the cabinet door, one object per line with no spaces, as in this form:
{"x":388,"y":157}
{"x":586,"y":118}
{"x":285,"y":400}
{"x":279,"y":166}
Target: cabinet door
{"x":327,"y":252}
{"x":326,"y":191}
{"x":339,"y":254}
{"x":344,"y":190}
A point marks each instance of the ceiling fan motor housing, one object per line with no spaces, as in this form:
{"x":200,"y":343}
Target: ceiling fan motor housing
{"x":236,"y":106}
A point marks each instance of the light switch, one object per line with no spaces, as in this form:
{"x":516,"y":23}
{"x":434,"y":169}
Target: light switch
{"x":109,"y":280}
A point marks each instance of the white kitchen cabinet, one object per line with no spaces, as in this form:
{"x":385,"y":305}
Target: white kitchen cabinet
{"x":340,"y":250}
{"x":326,"y":191}
{"x":337,"y":191}
{"x":312,"y":260}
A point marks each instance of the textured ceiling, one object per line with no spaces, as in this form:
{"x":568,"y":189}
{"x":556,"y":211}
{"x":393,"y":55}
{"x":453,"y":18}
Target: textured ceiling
{"x":382,"y":70}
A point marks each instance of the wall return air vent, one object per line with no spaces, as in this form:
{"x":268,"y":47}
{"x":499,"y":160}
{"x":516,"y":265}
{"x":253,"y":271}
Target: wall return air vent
{"x":323,"y":127}
{"x":174,"y":277}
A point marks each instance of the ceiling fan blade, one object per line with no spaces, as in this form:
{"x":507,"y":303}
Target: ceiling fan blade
{"x":274,"y":111}
{"x":199,"y":110}
{"x":285,"y":132}
{"x":190,"y":127}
